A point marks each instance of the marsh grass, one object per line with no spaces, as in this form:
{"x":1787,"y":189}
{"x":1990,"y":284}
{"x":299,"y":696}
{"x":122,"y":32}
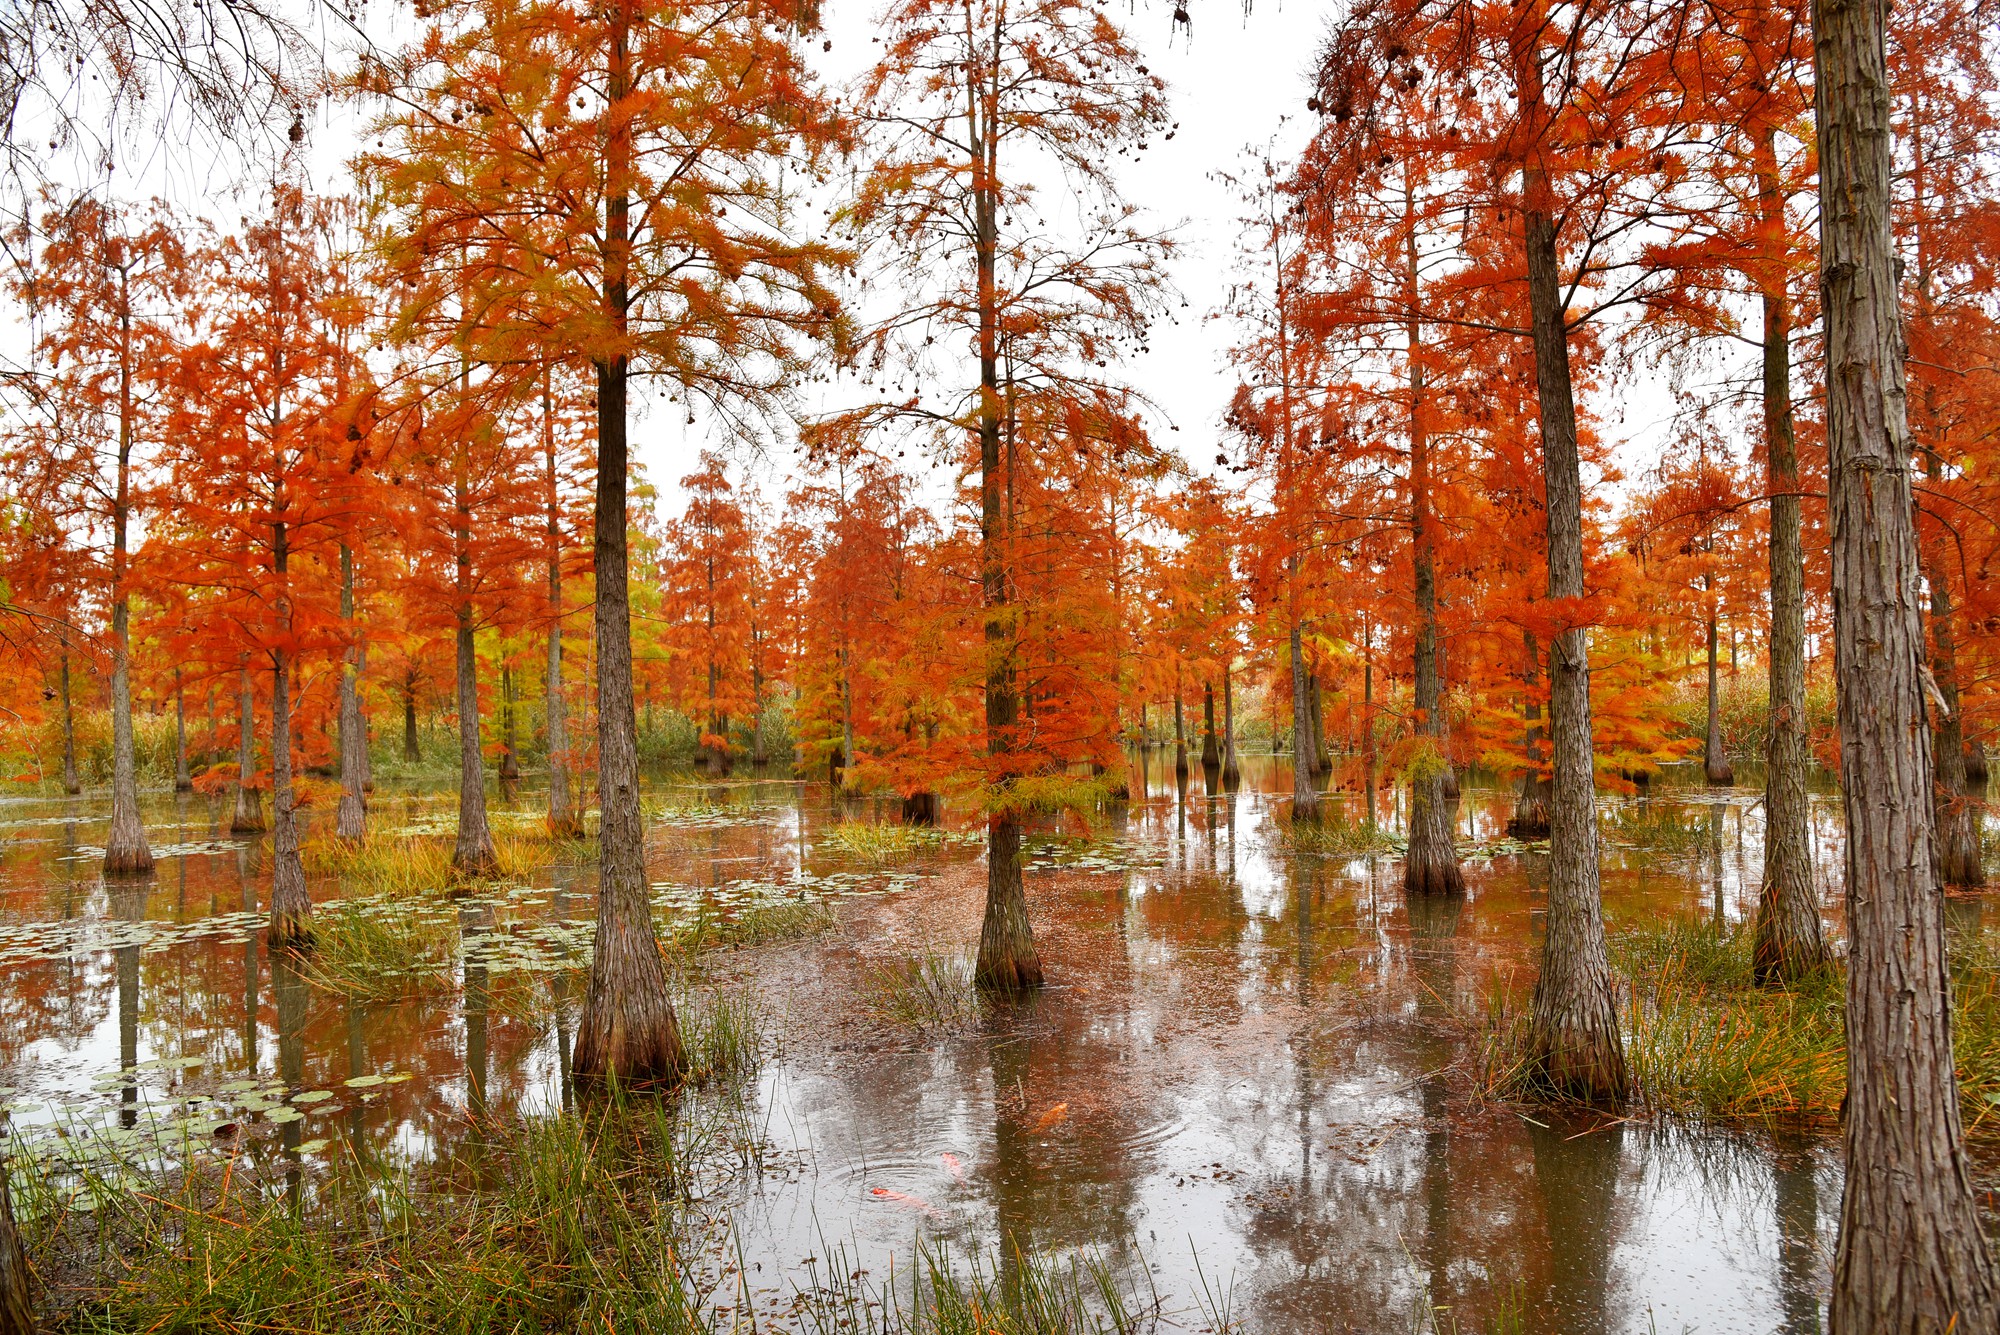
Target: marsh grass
{"x":1704,"y":1041}
{"x":880,"y":842}
{"x":1339,"y":837}
{"x":1013,"y":1293}
{"x":930,"y":991}
{"x":379,"y":948}
{"x":417,"y":863}
{"x":758,"y":925}
{"x":575,"y":1226}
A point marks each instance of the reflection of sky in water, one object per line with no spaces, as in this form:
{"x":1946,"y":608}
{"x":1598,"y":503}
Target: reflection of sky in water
{"x":1238,"y":1079}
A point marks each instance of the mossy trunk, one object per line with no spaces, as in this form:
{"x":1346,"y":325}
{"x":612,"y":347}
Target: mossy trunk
{"x":1789,"y":940}
{"x":1574,"y":1023}
{"x":248,"y":817}
{"x":627,"y":1033}
{"x":1912,"y":1256}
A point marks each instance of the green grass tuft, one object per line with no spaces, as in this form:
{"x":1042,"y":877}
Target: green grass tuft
{"x":879,"y":841}
{"x":931,"y":991}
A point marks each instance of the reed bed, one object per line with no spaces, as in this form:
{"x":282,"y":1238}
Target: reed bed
{"x":879,"y":842}
{"x":1014,"y":1292}
{"x":931,"y":991}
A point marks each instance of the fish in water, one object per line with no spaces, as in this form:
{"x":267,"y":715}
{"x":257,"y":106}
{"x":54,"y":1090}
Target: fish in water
{"x":1055,"y":1116}
{"x":952,"y":1165}
{"x":904,"y":1198}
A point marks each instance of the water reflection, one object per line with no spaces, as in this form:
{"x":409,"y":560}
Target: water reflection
{"x":1248,"y":1062}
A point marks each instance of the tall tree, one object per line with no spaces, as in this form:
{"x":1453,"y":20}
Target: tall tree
{"x":600,"y":181}
{"x":1912,"y":1256}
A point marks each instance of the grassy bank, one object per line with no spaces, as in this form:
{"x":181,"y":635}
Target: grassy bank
{"x":1703,"y":1040}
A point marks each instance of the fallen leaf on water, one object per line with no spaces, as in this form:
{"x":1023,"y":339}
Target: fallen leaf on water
{"x":1053,"y":1117}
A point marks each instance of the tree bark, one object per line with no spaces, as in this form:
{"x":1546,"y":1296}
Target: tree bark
{"x":351,"y":822}
{"x":1715,"y":766}
{"x":1789,"y":940}
{"x":1211,"y":750}
{"x":17,"y":1306}
{"x":71,"y":783}
{"x":1575,"y":1036}
{"x":412,"y":752}
{"x":248,"y":818}
{"x":1180,"y":739}
{"x":628,"y":1033}
{"x":1960,"y":860}
{"x":1912,"y":1256}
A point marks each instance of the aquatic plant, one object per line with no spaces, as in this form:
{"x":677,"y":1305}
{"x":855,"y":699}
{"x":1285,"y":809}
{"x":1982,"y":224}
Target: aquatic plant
{"x":929,"y":991}
{"x":1016,"y":1293}
{"x":377,"y":947}
{"x":1660,"y":828}
{"x":880,"y":841}
{"x":1335,"y":837}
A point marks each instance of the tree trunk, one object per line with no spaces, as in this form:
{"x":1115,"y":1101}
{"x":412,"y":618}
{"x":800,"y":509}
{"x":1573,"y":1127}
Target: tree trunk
{"x":125,"y":848}
{"x":1912,"y":1256}
{"x":1305,"y":793}
{"x":1575,"y":1034}
{"x":17,"y":1306}
{"x":1180,"y":739}
{"x":1715,"y":765}
{"x":1431,"y":865}
{"x":1231,"y":771}
{"x":1789,"y":940}
{"x":291,"y":906}
{"x":248,"y":818}
{"x":1211,"y":750}
{"x":628,"y":1033}
{"x":564,"y":821}
{"x":351,"y":822}
{"x":412,"y":753}
{"x":1959,"y":855}
{"x":473,"y":853}
{"x":183,"y":781}
{"x":71,"y":783}
{"x":510,"y":763}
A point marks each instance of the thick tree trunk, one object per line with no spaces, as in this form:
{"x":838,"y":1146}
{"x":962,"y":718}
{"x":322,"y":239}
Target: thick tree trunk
{"x":1576,"y":1039}
{"x":248,"y":818}
{"x":1180,"y":740}
{"x":17,"y":1306}
{"x":628,"y":1033}
{"x":1789,"y":939}
{"x":1531,"y":803}
{"x":1715,"y":766}
{"x":1431,"y":865}
{"x":183,"y":781}
{"x":1912,"y":1257}
{"x":473,"y":853}
{"x":351,"y":821}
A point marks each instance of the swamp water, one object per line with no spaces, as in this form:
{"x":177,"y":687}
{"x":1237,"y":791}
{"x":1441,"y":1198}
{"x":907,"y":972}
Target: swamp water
{"x":1250,"y":1094}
